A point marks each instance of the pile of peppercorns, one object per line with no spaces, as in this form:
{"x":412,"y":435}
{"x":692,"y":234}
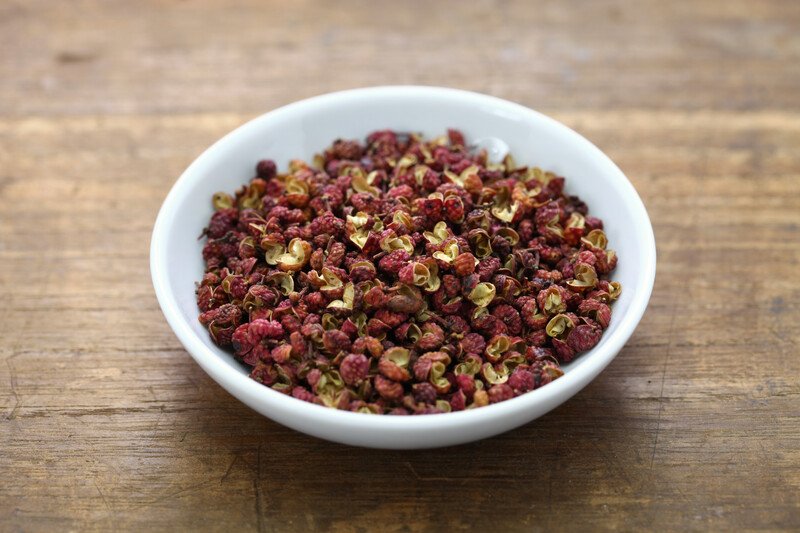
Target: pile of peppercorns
{"x":405,"y":276}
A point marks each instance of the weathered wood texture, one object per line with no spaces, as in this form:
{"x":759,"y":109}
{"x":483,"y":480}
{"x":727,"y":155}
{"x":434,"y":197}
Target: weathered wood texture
{"x":106,"y":423}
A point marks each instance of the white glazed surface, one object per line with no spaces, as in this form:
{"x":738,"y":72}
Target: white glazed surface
{"x":300,"y":130}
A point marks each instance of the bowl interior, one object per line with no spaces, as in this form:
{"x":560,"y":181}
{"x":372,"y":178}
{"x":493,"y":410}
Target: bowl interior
{"x":300,"y":130}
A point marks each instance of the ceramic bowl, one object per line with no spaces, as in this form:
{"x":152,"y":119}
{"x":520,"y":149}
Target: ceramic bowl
{"x":300,"y":130}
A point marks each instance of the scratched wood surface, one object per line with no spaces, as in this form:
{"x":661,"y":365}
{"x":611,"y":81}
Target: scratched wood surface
{"x":105,"y":421}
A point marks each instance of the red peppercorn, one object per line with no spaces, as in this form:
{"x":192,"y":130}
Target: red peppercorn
{"x":424,"y":392}
{"x":466,"y":384}
{"x":597,"y":310}
{"x":354,"y":368}
{"x":303,"y":394}
{"x":510,"y":317}
{"x":222,"y":222}
{"x":266,"y":169}
{"x":521,"y":380}
{"x":473,"y":343}
{"x":455,"y":324}
{"x":487,"y":267}
{"x":394,"y":261}
{"x":432,"y":337}
{"x":336,"y":341}
{"x":392,"y":371}
{"x":454,"y":209}
{"x":500,"y":393}
{"x":584,"y":337}
{"x":388,"y":389}
{"x":268,"y":329}
{"x":458,"y":401}
{"x":281,"y":353}
{"x":464,"y":264}
{"x":456,"y":137}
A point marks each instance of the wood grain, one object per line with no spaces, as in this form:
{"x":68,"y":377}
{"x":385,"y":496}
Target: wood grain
{"x":106,"y":423}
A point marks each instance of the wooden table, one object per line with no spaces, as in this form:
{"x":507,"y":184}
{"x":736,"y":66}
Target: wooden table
{"x":106,"y":422}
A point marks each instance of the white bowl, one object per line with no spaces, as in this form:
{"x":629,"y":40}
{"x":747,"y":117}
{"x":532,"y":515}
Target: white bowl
{"x":300,"y":130}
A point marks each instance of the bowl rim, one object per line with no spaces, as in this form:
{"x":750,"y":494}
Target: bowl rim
{"x":230,"y":379}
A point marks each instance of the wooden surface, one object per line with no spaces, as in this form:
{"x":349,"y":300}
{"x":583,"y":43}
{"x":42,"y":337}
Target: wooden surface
{"x":105,"y":421}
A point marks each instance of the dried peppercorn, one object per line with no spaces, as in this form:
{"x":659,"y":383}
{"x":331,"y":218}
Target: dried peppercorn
{"x":401,"y":276}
